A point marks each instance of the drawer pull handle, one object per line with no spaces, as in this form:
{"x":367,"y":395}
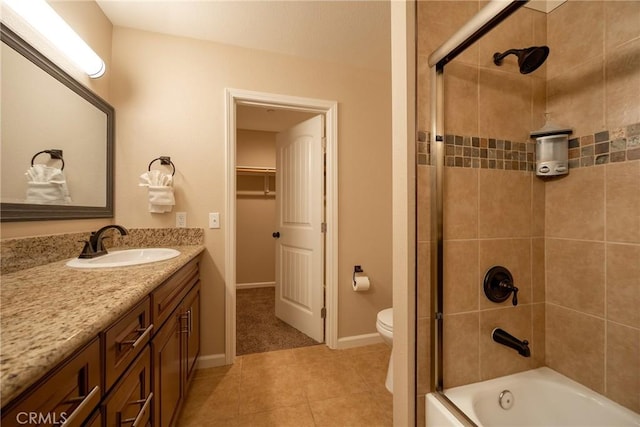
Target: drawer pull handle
{"x":136,"y":342}
{"x":86,"y":401}
{"x":183,"y":329}
{"x":189,"y":318}
{"x":135,"y":421}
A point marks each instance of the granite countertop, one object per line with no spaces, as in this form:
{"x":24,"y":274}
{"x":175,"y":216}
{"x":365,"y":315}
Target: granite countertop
{"x":48,"y":312}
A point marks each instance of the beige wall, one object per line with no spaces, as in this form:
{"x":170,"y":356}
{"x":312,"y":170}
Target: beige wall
{"x":567,"y":241}
{"x":169,"y":96}
{"x":256,"y":214}
{"x":93,"y":26}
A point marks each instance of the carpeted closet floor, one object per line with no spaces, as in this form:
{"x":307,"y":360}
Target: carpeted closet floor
{"x":258,"y":329}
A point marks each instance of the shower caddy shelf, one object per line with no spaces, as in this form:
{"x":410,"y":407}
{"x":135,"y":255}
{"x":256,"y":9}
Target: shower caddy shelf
{"x":266,"y":172}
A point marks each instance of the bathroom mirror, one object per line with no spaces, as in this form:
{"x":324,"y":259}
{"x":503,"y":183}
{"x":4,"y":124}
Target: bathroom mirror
{"x":44,"y":110}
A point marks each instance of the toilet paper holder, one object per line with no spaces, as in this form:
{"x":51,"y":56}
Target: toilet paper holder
{"x":356,"y":269}
{"x":360,"y":281}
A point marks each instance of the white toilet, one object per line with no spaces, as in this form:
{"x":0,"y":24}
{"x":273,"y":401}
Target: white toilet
{"x":384,"y":325}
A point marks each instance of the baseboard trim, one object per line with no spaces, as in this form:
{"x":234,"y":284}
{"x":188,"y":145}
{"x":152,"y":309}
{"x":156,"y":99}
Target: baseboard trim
{"x":215,"y":360}
{"x":211,"y":361}
{"x":359,"y":340}
{"x":255,"y":285}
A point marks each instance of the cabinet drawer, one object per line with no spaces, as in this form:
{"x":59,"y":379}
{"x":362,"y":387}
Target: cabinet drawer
{"x":130,"y":401}
{"x":124,"y":340}
{"x":68,"y":394}
{"x":166,"y":297}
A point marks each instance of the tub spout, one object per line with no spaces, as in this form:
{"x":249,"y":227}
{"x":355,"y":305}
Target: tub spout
{"x":502,"y":337}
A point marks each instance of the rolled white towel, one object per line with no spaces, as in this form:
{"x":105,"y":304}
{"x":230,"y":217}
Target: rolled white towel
{"x":47,"y":186}
{"x":161,"y":199}
{"x":155,"y":178}
{"x":48,"y":193}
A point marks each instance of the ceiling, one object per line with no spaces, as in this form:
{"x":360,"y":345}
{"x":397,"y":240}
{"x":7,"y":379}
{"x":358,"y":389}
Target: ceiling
{"x":357,"y":33}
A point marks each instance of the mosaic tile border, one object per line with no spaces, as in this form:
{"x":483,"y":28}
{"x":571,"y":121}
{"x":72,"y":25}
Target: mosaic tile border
{"x":476,"y":152}
{"x":615,"y":146}
{"x":619,"y":145}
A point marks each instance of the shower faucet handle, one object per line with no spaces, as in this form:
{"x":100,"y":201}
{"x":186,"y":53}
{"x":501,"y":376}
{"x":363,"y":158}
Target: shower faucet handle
{"x":498,"y":285}
{"x":506,"y":284}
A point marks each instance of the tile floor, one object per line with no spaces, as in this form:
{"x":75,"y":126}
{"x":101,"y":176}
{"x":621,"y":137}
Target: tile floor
{"x":308,"y":386}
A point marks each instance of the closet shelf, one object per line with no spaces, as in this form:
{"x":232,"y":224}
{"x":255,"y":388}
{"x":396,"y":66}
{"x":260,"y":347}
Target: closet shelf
{"x":266,"y":172}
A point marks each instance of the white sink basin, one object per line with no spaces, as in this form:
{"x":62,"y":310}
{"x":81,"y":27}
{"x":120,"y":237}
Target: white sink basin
{"x":125,"y":258}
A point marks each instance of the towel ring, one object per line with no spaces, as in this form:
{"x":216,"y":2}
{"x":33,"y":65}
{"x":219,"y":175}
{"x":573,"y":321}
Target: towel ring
{"x":164,"y":160}
{"x":55,"y":154}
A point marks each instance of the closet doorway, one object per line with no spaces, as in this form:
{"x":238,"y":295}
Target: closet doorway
{"x":283,"y":256}
{"x":261,"y":316}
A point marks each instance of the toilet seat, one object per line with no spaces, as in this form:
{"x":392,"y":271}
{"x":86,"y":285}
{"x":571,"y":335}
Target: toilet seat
{"x":385,"y":319}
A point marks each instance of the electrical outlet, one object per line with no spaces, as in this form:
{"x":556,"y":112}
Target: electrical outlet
{"x":214,"y":220}
{"x":181,"y":219}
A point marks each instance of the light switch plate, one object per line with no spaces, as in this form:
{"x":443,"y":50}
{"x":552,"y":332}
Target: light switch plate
{"x":214,"y":220}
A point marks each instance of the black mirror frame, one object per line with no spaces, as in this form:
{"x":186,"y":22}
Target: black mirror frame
{"x":12,"y":212}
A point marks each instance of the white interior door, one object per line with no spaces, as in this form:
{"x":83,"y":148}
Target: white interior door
{"x":299,"y":213}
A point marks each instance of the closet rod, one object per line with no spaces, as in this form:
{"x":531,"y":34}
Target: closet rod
{"x":254,"y":193}
{"x":255,"y":169}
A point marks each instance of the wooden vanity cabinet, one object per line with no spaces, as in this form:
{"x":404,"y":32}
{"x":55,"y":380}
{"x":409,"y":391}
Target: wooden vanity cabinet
{"x":130,"y":401}
{"x":166,"y":348}
{"x":68,"y":394}
{"x":135,"y":372}
{"x":175,"y":348}
{"x":191,"y":306}
{"x":166,"y":297}
{"x":125,"y":339}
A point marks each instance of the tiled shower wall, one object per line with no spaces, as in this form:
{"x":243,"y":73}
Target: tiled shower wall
{"x":546,"y":232}
{"x":592,"y":225}
{"x":494,"y":206}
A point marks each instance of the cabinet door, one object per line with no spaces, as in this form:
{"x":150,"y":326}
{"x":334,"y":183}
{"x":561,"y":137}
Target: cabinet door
{"x":191,"y":307}
{"x":69,"y":394}
{"x":130,"y":401}
{"x":167,"y":370}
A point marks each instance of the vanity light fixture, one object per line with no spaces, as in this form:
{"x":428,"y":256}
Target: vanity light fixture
{"x":47,"y":22}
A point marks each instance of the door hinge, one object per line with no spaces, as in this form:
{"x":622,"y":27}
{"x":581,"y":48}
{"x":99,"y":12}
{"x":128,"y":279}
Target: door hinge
{"x":324,"y":144}
{"x":323,"y":312}
{"x":323,"y":227}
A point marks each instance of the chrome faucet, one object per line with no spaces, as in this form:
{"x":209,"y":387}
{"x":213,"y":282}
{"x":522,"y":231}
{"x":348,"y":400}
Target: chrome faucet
{"x":94,"y":247}
{"x":505,"y":338}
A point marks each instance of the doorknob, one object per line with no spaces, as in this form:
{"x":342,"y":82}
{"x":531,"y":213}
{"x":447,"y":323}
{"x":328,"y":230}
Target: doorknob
{"x":276,"y":235}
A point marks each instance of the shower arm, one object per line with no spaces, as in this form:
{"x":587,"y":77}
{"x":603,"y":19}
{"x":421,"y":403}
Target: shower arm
{"x":498,"y":57}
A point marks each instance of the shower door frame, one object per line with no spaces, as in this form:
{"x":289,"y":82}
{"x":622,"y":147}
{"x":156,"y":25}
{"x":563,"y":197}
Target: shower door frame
{"x":486,"y":19}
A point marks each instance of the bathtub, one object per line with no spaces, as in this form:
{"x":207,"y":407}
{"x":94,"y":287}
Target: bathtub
{"x":539,"y":397}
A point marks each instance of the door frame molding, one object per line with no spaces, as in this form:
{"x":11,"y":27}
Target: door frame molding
{"x":235,"y":97}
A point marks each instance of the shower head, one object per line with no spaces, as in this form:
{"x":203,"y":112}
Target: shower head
{"x":529,"y":59}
